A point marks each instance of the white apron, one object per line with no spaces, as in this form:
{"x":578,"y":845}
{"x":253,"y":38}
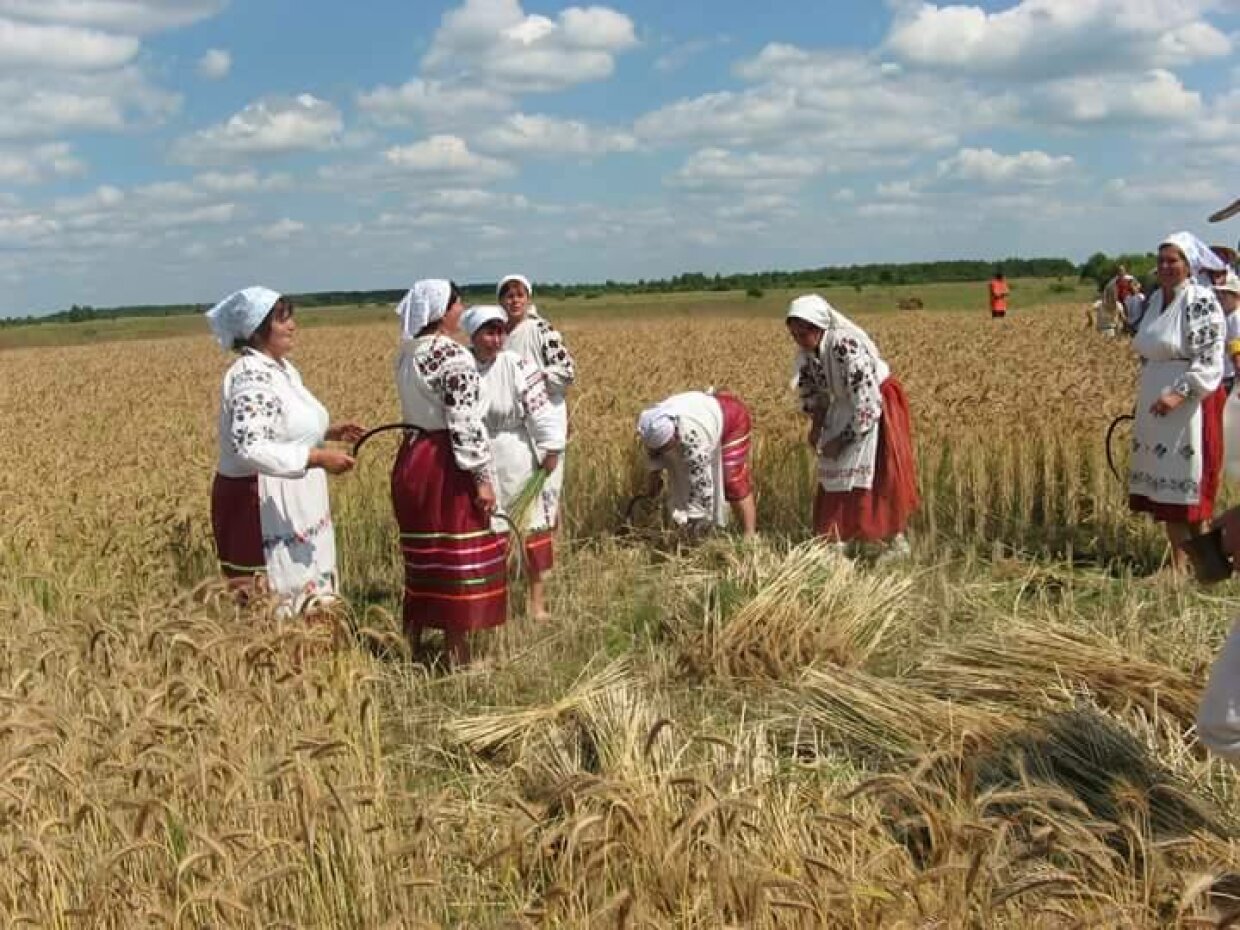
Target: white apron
{"x":1166,"y":462}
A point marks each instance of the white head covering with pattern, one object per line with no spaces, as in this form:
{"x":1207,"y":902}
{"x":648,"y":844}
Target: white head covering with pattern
{"x":238,"y":315}
{"x":425,"y":303}
{"x":656,"y":427}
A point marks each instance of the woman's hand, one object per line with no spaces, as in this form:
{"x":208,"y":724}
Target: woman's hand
{"x":332,"y":461}
{"x":345,"y":432}
{"x":550,"y":461}
{"x":1167,"y":401}
{"x":484,"y":498}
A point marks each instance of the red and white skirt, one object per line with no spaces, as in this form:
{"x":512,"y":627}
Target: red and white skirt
{"x":237,"y":527}
{"x":455,"y":565}
{"x":1212,"y":407}
{"x":736,"y":443}
{"x":882,"y":510}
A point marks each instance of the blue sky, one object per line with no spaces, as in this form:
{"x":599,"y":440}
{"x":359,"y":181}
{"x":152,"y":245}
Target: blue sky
{"x":156,"y":151}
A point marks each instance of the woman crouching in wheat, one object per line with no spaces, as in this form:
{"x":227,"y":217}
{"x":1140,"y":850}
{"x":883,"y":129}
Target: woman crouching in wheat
{"x":527,"y":439}
{"x":860,"y":429}
{"x":1177,"y":441}
{"x":269,"y":507}
{"x":701,"y":439}
{"x":442,"y":485}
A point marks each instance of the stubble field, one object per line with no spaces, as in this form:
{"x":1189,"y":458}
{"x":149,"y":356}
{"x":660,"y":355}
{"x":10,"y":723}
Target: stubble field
{"x":996,"y":734}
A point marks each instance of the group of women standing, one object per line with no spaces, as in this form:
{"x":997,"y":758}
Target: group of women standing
{"x":486,"y":429}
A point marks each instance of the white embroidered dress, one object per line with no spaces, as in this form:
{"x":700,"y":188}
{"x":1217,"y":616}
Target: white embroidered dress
{"x":694,"y":464}
{"x":1181,"y":348}
{"x":540,"y":344}
{"x":268,"y":423}
{"x":523,"y":428}
{"x":842,"y":383}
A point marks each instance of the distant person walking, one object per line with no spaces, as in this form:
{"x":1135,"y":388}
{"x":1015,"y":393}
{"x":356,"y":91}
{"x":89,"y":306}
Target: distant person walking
{"x":270,"y":513}
{"x":702,"y":440}
{"x":443,"y":488}
{"x":1177,"y":444}
{"x":998,"y":290}
{"x":532,"y":338}
{"x":860,"y":428}
{"x":527,"y":439}
{"x":1109,"y":312}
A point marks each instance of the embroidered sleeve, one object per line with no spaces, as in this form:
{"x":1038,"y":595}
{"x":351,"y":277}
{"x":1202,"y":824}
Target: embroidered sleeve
{"x":544,"y":427}
{"x":557,"y":362}
{"x":812,"y":384}
{"x":1204,"y":329}
{"x":696,"y":452}
{"x":460,"y":388}
{"x":859,"y":375}
{"x":255,"y":420}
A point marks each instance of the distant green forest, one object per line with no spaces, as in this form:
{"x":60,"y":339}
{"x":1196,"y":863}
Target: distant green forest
{"x":858,"y":276}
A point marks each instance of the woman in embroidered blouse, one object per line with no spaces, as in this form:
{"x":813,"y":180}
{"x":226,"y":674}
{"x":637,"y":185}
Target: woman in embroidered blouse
{"x":534,"y":339}
{"x":702,"y":439}
{"x":442,"y":484}
{"x":1177,"y":447}
{"x":860,"y":429}
{"x":526,"y":438}
{"x":269,"y":506}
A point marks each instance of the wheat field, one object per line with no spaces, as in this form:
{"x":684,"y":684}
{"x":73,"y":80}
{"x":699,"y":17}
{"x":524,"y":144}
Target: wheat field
{"x":995,"y":734}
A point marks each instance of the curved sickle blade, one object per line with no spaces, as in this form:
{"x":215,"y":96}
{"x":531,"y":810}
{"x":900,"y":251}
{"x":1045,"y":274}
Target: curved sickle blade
{"x":1123,"y":417}
{"x":357,"y":446}
{"x":1226,"y":213}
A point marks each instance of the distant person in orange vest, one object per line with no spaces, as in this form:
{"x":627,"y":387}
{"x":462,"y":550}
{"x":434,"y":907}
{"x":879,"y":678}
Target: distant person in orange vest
{"x":998,"y":296}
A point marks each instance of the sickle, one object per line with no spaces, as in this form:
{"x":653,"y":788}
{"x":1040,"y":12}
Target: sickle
{"x":1123,"y":417}
{"x":1226,"y":213}
{"x":357,"y":446}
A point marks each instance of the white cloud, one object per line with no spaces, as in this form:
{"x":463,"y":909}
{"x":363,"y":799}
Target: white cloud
{"x":40,"y":163}
{"x":1157,"y":96}
{"x":271,"y":126}
{"x":61,"y":48}
{"x":720,"y":168}
{"x":515,"y":52}
{"x":281,"y":230}
{"x":546,"y":135}
{"x":431,"y":100}
{"x":1043,"y":39}
{"x":447,"y":156}
{"x":215,"y":65}
{"x":680,"y":55}
{"x":1178,"y":192}
{"x":137,"y":17}
{"x":241,"y":182}
{"x":987,"y":166}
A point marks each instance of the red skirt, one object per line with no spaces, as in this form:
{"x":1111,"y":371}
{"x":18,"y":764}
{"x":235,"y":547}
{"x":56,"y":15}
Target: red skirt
{"x":540,"y":552}
{"x":1211,"y":469}
{"x":237,"y":528}
{"x":455,"y":566}
{"x":882,"y":510}
{"x":736,"y":443}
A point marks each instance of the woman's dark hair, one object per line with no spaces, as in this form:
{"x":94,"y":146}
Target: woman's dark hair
{"x":282,"y":309}
{"x":454,"y":294}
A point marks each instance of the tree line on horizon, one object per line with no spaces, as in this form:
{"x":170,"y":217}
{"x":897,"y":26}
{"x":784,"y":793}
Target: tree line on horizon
{"x":1098,"y":268}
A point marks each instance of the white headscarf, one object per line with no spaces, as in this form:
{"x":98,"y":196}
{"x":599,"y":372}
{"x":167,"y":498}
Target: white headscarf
{"x":239,"y":314}
{"x":426,"y":302}
{"x":479,"y":316}
{"x":499,"y":288}
{"x":656,"y":427}
{"x":816,"y":311}
{"x":1199,"y":255}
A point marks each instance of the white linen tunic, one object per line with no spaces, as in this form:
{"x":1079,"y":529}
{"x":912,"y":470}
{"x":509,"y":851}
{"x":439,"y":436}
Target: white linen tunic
{"x":268,"y":423}
{"x":439,"y":388}
{"x":695,"y":462}
{"x":540,"y":344}
{"x":1181,"y":349}
{"x":523,"y":428}
{"x":842,"y":381}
